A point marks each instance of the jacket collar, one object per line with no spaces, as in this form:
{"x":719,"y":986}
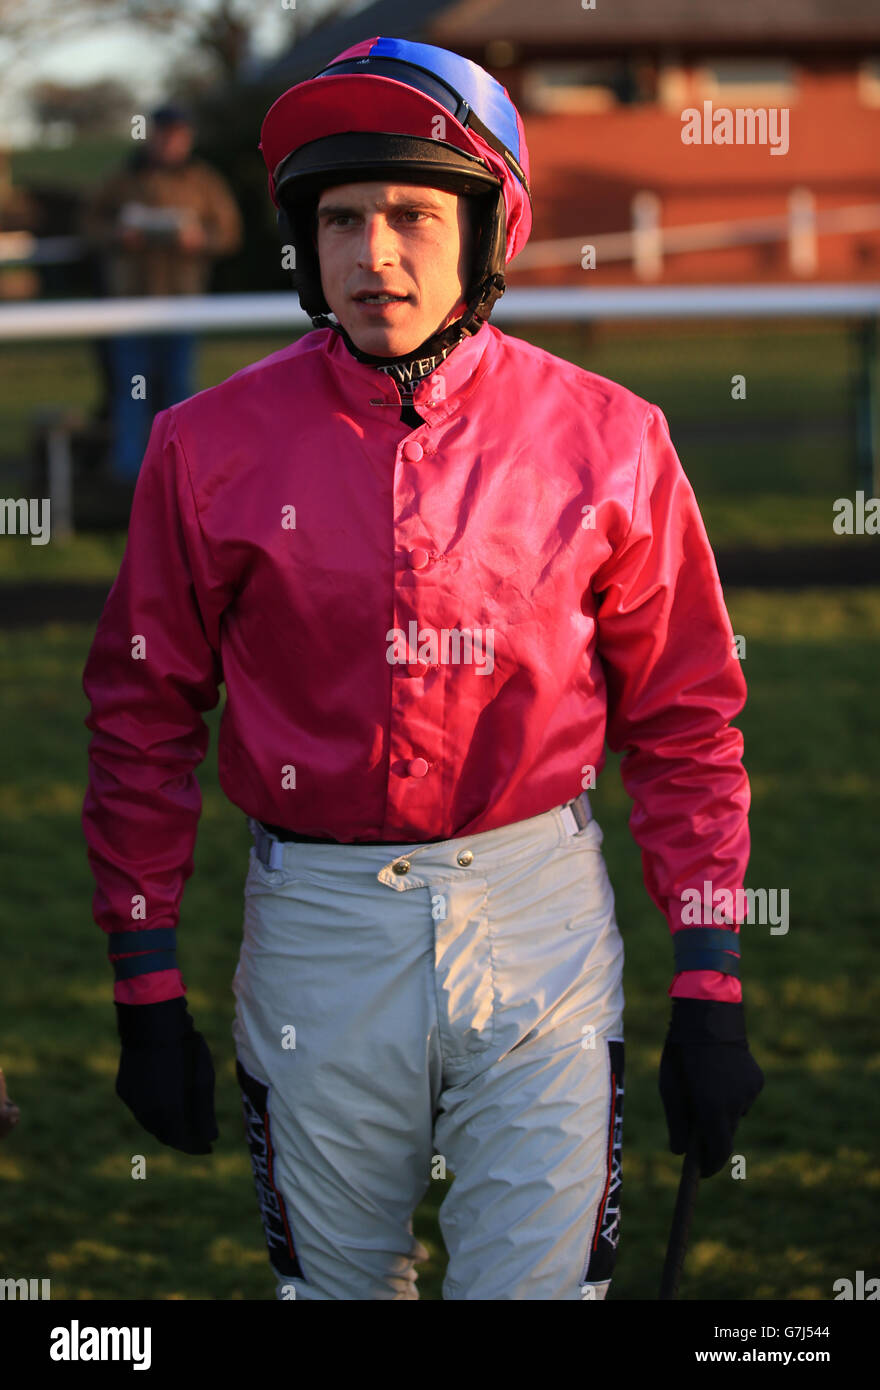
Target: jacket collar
{"x":434,"y":396}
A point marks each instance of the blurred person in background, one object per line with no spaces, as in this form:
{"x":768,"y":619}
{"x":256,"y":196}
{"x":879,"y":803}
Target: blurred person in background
{"x":157,"y":225}
{"x":20,"y":219}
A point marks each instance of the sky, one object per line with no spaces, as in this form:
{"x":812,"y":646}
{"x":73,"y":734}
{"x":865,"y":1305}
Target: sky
{"x":121,"y":51}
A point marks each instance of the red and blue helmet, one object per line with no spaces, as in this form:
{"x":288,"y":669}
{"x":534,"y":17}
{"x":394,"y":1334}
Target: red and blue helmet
{"x":391,"y":109}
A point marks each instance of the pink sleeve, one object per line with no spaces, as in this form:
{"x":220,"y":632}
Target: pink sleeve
{"x":674,"y":684}
{"x":150,"y":674}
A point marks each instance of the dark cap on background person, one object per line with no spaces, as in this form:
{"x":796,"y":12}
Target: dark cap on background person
{"x":170,"y":113}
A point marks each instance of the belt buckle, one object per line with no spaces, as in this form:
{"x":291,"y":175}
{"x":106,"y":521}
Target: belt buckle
{"x":269,"y":848}
{"x":575,"y":816}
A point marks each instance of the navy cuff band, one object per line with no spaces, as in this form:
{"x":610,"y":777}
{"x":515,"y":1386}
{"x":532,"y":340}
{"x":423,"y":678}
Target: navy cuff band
{"x":149,"y":939}
{"x":145,"y":964}
{"x":707,"y":948}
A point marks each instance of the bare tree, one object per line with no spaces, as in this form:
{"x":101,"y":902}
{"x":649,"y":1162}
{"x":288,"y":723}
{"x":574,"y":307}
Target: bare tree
{"x":92,"y":107}
{"x":218,"y":32}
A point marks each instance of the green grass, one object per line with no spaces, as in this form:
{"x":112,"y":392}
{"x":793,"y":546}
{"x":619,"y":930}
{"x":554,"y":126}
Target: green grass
{"x":803,"y":1216}
{"x":788,"y":368}
{"x":88,"y":557}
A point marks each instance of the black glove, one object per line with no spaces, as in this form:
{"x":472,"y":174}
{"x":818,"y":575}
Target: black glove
{"x":166,"y":1076}
{"x":708,"y":1078}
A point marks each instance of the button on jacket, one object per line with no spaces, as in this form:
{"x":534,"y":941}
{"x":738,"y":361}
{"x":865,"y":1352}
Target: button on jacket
{"x":424,"y":632}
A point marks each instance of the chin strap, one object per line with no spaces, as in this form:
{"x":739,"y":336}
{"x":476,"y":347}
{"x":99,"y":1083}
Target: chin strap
{"x":429,"y":354}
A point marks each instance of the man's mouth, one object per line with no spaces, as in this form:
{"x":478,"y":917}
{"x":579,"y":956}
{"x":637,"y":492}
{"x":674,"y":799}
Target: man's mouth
{"x":379,"y":298}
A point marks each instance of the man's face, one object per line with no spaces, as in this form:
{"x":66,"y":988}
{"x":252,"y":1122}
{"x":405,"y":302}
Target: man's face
{"x":393,"y":238}
{"x":171,"y":144}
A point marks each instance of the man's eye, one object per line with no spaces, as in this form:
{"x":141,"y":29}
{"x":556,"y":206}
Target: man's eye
{"x":341,"y":218}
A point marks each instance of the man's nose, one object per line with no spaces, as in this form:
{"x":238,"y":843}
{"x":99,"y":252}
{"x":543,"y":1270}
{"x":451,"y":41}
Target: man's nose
{"x":377,"y":246}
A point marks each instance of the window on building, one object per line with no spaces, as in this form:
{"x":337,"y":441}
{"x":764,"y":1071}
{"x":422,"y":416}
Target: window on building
{"x":598,"y":85}
{"x":745,"y":81}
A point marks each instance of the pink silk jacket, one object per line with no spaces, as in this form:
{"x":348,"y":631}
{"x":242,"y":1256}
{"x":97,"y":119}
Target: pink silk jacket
{"x":423,"y":632}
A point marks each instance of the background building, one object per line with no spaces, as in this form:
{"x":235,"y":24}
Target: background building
{"x":602,"y":92}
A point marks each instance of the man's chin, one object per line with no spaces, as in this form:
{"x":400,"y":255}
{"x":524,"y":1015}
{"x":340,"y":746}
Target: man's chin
{"x":390,"y":339}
